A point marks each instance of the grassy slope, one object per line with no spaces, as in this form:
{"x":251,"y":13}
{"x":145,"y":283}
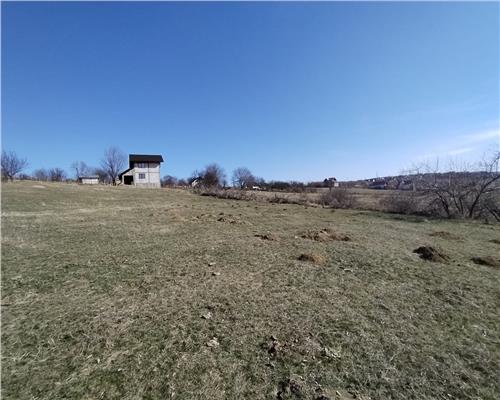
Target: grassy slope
{"x":104,"y":289}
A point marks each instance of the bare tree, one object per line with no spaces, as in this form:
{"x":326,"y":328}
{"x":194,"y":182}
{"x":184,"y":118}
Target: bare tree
{"x":113,"y":162}
{"x":213,"y":175}
{"x":57,"y":174}
{"x":102,"y":174}
{"x":80,"y":168}
{"x":12,"y":164}
{"x":465,"y":191}
{"x":41,"y":174}
{"x":242,"y":178}
{"x":169,"y":180}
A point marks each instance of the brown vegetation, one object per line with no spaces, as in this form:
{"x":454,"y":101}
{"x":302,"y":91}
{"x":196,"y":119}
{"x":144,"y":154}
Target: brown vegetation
{"x":324,"y":235}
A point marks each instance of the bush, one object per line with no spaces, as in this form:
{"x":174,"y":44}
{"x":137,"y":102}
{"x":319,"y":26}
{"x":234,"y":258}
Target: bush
{"x":230,"y":194}
{"x":401,"y":202}
{"x":338,"y":198}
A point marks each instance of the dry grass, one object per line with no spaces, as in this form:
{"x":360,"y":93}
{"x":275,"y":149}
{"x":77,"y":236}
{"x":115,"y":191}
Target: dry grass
{"x":122,"y":293}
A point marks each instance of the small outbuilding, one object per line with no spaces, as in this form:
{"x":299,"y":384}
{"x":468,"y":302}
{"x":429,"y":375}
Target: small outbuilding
{"x":88,"y":180}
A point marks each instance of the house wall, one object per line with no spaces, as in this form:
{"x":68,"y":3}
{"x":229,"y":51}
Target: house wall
{"x":151,"y":172}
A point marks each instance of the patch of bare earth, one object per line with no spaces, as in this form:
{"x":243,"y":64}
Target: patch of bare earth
{"x":486,"y":260}
{"x":430,"y":253}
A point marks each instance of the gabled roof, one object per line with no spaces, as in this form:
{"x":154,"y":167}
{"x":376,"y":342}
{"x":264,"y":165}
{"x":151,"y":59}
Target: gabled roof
{"x":124,"y":172}
{"x":145,"y":158}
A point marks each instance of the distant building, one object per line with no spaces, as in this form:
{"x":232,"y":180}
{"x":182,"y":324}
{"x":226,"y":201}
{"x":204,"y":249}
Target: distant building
{"x":143,"y":171}
{"x":88,"y":180}
{"x":331,"y":182}
{"x":196,"y":181}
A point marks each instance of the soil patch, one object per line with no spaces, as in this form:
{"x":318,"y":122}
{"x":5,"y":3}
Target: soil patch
{"x":430,"y":253}
{"x":486,"y":260}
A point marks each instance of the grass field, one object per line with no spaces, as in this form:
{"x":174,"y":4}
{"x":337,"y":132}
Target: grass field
{"x":122,"y":293}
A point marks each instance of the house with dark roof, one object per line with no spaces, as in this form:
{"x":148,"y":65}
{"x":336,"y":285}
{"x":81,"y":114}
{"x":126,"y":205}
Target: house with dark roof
{"x":143,"y":170}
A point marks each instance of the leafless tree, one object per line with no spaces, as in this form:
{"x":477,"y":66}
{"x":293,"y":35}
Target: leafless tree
{"x":12,"y":164}
{"x":57,"y":174}
{"x":113,"y":162}
{"x":102,"y":174}
{"x":41,"y":174}
{"x":169,"y":180}
{"x":242,"y":178}
{"x":80,"y":168}
{"x":464,"y":190}
{"x":213,"y":175}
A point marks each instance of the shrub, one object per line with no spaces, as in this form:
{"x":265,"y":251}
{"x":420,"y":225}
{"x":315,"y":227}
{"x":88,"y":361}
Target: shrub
{"x":337,"y":198}
{"x":401,"y":202}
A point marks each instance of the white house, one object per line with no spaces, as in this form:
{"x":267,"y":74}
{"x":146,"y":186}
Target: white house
{"x":88,"y":180}
{"x":143,"y":171}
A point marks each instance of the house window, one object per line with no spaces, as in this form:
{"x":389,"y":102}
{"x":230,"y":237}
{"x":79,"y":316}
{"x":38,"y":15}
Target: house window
{"x":142,"y":176}
{"x":141,"y":165}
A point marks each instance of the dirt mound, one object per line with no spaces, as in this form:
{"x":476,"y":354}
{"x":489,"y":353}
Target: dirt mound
{"x":324,"y":235}
{"x":444,"y":235}
{"x":267,"y":236}
{"x":486,"y":260}
{"x":312,"y":257}
{"x":431,"y":254}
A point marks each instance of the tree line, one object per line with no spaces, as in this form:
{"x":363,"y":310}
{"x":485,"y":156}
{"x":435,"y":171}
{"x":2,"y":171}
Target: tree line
{"x":111,"y":164}
{"x":464,"y":191}
{"x":214,"y":176}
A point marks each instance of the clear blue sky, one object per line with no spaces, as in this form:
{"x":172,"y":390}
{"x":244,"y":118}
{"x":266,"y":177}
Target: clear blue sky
{"x":290,"y":90}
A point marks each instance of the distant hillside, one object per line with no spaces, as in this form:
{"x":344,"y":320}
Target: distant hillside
{"x":407,"y":182}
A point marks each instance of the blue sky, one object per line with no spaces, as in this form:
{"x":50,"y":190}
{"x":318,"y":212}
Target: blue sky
{"x":290,"y":90}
